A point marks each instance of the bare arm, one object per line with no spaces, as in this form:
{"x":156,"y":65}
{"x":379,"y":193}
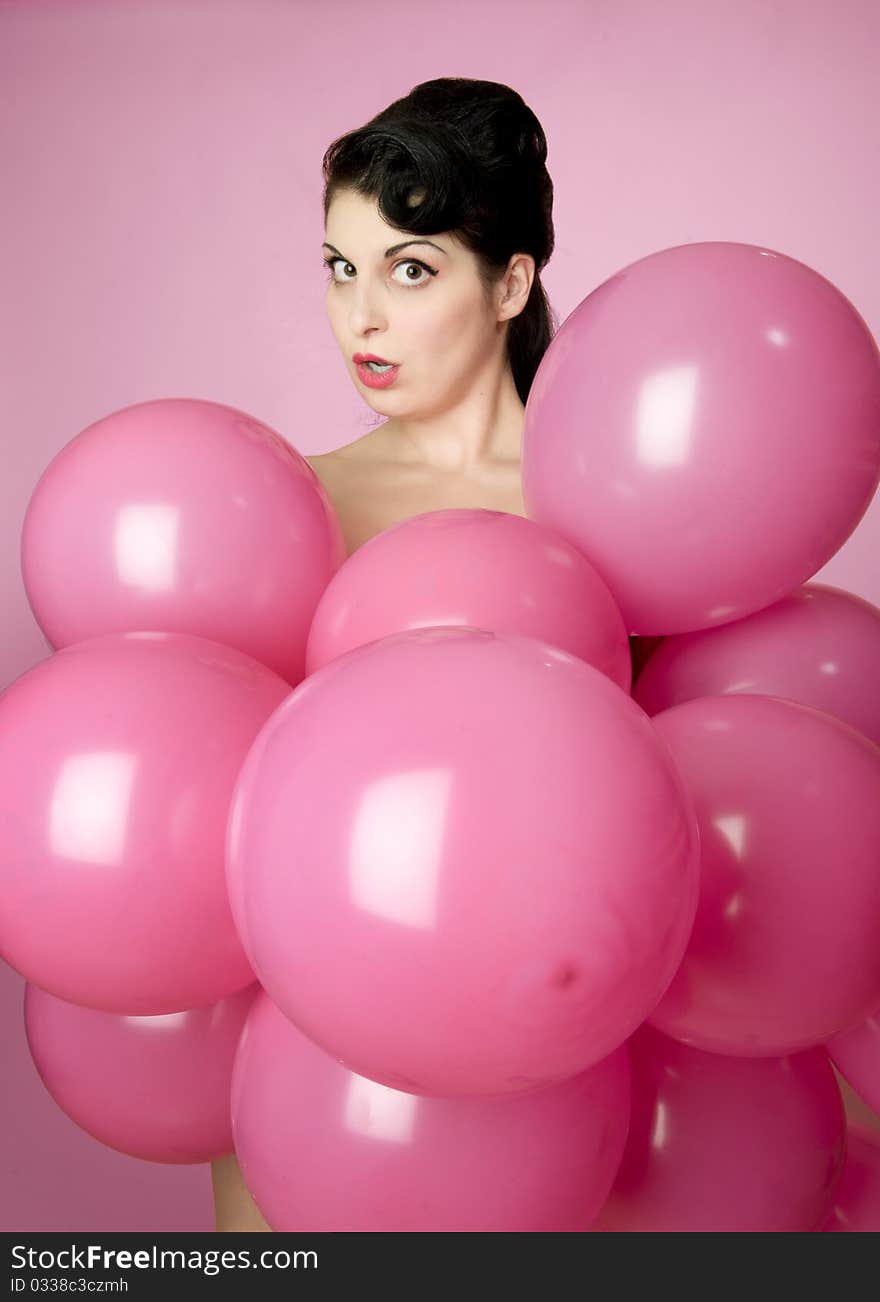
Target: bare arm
{"x":234,"y":1208}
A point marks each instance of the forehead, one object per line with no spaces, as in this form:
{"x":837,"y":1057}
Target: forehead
{"x":353,"y":211}
{"x":354,"y":221}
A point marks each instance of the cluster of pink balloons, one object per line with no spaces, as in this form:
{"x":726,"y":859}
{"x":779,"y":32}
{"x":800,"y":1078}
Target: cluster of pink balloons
{"x":327,"y":1150}
{"x":385,"y":866}
{"x":173,"y":554}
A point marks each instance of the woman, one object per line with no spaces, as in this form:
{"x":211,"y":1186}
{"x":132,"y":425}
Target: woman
{"x":464,"y":318}
{"x":456,"y":172}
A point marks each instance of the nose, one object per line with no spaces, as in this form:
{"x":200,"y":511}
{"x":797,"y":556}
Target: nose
{"x":366,"y":310}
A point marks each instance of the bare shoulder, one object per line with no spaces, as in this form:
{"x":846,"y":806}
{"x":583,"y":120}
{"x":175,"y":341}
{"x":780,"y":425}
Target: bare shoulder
{"x":371,"y":451}
{"x":348,"y":459}
{"x":355,"y":468}
{"x":321,"y":463}
{"x":365,"y":490}
{"x":331,"y":472}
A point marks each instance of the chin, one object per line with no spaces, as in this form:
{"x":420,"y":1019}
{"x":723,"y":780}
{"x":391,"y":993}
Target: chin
{"x":375,"y":399}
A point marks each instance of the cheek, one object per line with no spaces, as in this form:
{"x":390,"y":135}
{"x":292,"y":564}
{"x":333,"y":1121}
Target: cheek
{"x":336,"y":320}
{"x":451,"y":334}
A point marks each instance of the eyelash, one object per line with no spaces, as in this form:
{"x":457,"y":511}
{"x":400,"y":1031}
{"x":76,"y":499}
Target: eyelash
{"x":330,"y":262}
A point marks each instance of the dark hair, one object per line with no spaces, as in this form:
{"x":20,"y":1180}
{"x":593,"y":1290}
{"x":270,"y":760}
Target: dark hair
{"x":468,"y":157}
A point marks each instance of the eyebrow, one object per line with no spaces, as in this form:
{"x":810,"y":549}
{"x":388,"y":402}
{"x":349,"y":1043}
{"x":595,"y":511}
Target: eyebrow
{"x":389,"y":253}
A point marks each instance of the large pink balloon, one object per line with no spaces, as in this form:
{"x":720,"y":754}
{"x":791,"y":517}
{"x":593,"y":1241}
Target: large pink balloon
{"x":325,"y":1150}
{"x":488,"y":569}
{"x":705,"y":428}
{"x":181,"y":515}
{"x":856,"y":1055}
{"x":118,"y":758}
{"x":819,"y":645}
{"x":856,"y":1206}
{"x":156,"y":1088}
{"x":467,"y":862}
{"x":726,"y":1144}
{"x":784,"y":950}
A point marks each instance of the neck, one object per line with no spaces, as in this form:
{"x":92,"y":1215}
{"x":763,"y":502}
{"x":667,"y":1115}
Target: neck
{"x":482,"y":431}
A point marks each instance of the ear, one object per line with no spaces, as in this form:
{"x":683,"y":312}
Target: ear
{"x":515,"y":286}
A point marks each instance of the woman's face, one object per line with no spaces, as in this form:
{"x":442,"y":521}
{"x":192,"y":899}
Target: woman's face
{"x":422,"y":307}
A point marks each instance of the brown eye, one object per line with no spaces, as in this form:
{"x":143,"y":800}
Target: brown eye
{"x":421,"y":266}
{"x":330,"y":264}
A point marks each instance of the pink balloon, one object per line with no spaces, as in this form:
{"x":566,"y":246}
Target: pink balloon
{"x":856,"y":1055}
{"x":467,"y":862}
{"x":186,"y":516}
{"x":487,"y":569}
{"x":118,"y":758}
{"x":856,"y":1207}
{"x":156,"y":1088}
{"x":819,"y":646}
{"x":784,"y":949}
{"x":726,"y":1144}
{"x":703,"y":427}
{"x":325,"y":1150}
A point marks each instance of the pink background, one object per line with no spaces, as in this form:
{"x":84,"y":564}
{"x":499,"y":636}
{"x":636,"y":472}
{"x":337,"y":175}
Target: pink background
{"x":159,"y":237}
